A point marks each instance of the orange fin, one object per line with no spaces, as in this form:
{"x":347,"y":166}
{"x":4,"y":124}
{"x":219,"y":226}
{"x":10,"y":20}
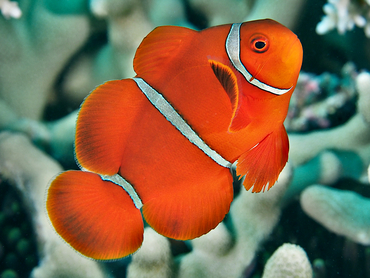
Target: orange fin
{"x":228,"y":80}
{"x":96,"y":217}
{"x":262,"y":164}
{"x":104,"y":122}
{"x":159,"y":47}
{"x":189,"y":210}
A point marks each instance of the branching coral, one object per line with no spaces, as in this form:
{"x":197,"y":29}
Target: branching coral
{"x":323,"y":101}
{"x":153,"y":259}
{"x":36,"y":49}
{"x":324,"y":156}
{"x":344,"y":15}
{"x":30,"y":170}
{"x":354,"y":135}
{"x":343,"y":212}
{"x":346,"y":212}
{"x":10,"y":9}
{"x":289,"y":260}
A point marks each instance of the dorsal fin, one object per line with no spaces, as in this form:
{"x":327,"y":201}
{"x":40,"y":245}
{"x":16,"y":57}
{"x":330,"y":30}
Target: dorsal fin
{"x":159,"y":47}
{"x":228,"y":81}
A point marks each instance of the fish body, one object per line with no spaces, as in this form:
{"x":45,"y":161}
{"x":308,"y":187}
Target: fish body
{"x":163,"y":142}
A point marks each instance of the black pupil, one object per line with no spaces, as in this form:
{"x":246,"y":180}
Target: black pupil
{"x":260,"y":44}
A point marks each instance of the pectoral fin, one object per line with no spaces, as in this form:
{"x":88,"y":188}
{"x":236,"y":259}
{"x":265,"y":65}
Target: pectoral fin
{"x":227,"y":79}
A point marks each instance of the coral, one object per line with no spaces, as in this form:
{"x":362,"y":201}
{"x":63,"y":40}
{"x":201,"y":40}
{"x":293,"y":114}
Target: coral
{"x":55,"y":137}
{"x":37,"y":48}
{"x":18,"y":252}
{"x":353,"y":136}
{"x":30,"y":170}
{"x":345,"y":15}
{"x":363,"y":85}
{"x":10,"y":9}
{"x":323,"y":101}
{"x":327,"y":167}
{"x":153,"y":259}
{"x":343,"y":212}
{"x":289,"y":260}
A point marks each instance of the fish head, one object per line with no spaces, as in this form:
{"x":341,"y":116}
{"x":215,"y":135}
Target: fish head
{"x":271,"y":53}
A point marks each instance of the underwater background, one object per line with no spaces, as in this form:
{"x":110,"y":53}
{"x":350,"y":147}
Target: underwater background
{"x":315,"y":222}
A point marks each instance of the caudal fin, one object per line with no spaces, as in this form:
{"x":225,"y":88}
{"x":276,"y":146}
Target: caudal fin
{"x":96,"y":217}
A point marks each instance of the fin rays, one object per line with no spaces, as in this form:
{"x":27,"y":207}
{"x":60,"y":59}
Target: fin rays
{"x":192,"y":211}
{"x":96,"y":217}
{"x":159,"y":48}
{"x":263,"y":163}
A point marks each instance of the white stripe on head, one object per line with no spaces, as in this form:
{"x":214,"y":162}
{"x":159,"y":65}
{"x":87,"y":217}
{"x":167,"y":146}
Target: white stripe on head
{"x":233,"y":51}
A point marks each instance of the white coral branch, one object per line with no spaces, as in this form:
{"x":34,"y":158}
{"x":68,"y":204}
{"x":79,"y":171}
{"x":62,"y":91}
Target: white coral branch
{"x":344,"y":15}
{"x":10,"y":9}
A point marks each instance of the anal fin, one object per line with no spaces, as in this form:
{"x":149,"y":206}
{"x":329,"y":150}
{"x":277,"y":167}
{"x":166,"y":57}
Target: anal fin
{"x":186,"y":211}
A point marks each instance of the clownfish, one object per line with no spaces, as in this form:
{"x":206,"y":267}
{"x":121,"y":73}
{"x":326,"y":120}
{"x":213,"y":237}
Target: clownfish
{"x":160,"y":146}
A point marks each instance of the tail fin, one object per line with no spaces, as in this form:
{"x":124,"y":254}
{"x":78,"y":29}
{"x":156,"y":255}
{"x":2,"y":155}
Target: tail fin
{"x":96,"y":217}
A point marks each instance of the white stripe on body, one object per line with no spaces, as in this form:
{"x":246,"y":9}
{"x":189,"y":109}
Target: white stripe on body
{"x":119,"y":180}
{"x":166,"y":109}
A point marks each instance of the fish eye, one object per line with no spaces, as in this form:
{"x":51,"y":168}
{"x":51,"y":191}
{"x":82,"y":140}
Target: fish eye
{"x":259,"y":43}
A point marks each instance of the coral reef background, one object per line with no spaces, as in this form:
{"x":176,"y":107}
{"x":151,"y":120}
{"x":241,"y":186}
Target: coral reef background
{"x":314,"y":221}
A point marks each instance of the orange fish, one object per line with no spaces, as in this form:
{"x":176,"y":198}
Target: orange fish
{"x":163,"y":142}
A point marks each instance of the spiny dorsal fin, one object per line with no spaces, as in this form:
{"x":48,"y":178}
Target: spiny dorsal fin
{"x":159,"y":47}
{"x":227,"y":79}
